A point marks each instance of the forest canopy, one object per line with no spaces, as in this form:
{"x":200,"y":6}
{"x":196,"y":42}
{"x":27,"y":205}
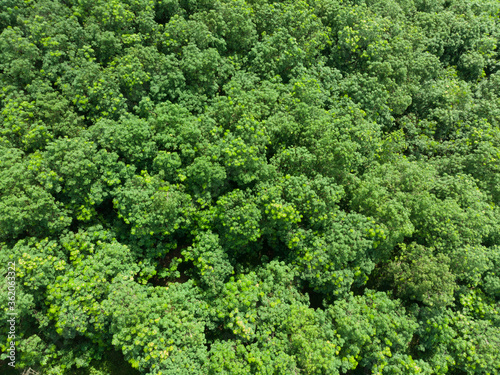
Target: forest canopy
{"x":193,"y":187}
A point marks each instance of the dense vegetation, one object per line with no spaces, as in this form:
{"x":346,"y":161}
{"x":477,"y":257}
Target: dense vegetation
{"x":251,"y":187}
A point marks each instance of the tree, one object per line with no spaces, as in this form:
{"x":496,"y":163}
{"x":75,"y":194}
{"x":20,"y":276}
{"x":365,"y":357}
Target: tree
{"x":251,"y":186}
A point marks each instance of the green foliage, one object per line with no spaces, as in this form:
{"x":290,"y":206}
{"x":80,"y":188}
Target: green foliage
{"x":130,"y":138}
{"x":251,"y":186}
{"x":25,"y":206}
{"x":211,"y":262}
{"x":272,"y":327}
{"x":419,"y":275}
{"x":374,"y":328}
{"x":456,"y":341}
{"x":238,"y":221}
{"x":342,"y":255}
{"x":159,"y":330}
{"x":150,"y":205}
{"x":75,"y":298}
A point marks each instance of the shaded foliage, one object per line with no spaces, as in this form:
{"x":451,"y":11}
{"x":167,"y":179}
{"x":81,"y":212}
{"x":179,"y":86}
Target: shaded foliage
{"x":251,"y":187}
